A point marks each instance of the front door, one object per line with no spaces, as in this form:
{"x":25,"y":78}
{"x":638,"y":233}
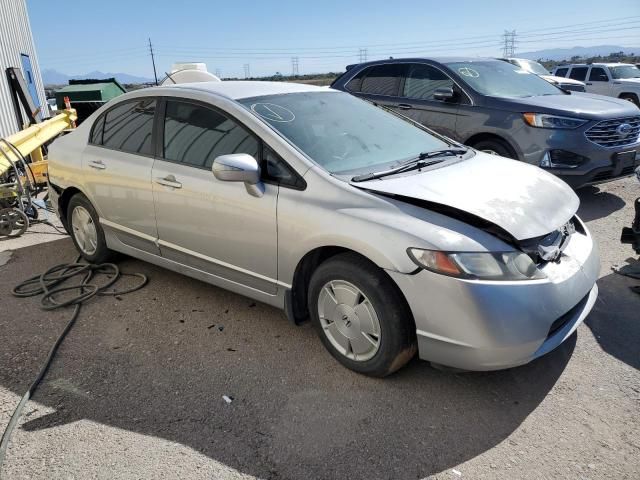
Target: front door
{"x":30,"y":79}
{"x":418,"y":100}
{"x":214,"y":226}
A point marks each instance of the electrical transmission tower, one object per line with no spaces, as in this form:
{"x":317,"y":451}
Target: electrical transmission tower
{"x":509,"y":49}
{"x":247,"y":71}
{"x":294,"y":66}
{"x":219,"y":73}
{"x":362,"y":55}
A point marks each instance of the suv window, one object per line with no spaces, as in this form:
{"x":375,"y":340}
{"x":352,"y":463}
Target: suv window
{"x":128,"y":127}
{"x":355,"y":84}
{"x":195,"y":135}
{"x":578,"y":73}
{"x":561,"y":72}
{"x":423,"y":80}
{"x":383,"y":79}
{"x":96,"y":131}
{"x":598,"y":74}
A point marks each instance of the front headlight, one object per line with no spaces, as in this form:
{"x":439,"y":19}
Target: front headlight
{"x":542,"y":120}
{"x":478,"y":265}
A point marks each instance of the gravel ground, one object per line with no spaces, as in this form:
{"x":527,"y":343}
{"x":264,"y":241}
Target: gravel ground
{"x":136,"y":390}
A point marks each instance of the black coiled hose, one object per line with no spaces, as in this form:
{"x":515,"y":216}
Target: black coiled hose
{"x":50,"y":285}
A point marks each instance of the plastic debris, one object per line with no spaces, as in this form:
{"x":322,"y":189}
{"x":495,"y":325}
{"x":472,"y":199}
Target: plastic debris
{"x":227,"y":398}
{"x":456,"y":472}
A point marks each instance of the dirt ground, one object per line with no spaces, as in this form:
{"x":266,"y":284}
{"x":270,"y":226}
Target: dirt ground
{"x":136,"y":390}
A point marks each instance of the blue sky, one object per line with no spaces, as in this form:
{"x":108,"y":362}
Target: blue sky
{"x":75,"y":37}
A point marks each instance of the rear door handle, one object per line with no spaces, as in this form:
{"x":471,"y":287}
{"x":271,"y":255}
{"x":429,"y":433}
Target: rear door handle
{"x":404,"y":106}
{"x":169,"y":181}
{"x":97,"y":164}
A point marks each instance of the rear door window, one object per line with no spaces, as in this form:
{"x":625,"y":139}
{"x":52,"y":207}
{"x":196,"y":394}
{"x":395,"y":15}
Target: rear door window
{"x":383,"y":79}
{"x":195,"y":135}
{"x":423,"y":80}
{"x":561,"y":72}
{"x":128,"y":126}
{"x":578,"y":73}
{"x":598,"y":74}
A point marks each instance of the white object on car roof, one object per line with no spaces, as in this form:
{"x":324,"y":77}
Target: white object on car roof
{"x":189,"y":73}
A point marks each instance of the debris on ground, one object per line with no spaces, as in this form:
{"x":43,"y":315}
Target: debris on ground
{"x":227,"y":399}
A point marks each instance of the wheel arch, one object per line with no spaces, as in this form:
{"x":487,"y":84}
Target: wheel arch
{"x":478,"y":137}
{"x":296,"y":298}
{"x":65,"y":196}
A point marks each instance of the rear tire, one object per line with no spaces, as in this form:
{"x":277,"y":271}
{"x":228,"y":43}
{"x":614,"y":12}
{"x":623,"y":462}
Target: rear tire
{"x":86,"y":231}
{"x":361,"y":316}
{"x":495,"y":147}
{"x":631,"y":97}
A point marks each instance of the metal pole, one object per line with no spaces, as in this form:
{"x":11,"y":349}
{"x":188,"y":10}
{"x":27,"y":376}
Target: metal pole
{"x":153,"y":61}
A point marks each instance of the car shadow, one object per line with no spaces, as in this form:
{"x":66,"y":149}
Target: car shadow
{"x":615,"y":321}
{"x":596,"y":203}
{"x":158,"y":361}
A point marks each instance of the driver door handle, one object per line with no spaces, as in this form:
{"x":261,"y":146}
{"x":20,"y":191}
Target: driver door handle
{"x":404,"y":106}
{"x":97,"y":164}
{"x":168,"y":181}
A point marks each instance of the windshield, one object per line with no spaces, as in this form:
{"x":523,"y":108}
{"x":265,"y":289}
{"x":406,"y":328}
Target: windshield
{"x":502,"y":79}
{"x":534,"y":67}
{"x":626,"y":71}
{"x":342,"y":133}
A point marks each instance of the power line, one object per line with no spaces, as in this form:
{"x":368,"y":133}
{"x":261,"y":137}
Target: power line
{"x":153,"y":61}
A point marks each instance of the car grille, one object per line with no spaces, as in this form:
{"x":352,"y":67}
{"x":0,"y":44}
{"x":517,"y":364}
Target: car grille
{"x":608,"y":174}
{"x":606,"y":134}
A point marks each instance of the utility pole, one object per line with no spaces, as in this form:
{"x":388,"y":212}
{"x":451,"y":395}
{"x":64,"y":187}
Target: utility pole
{"x":247,"y":71}
{"x":509,"y":49}
{"x":153,"y":61}
{"x":294,"y":66}
{"x":362,"y":55}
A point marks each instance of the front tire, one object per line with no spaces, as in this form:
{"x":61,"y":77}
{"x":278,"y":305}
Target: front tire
{"x":494,"y":147}
{"x":86,"y":231}
{"x":361,"y":316}
{"x":631,"y":97}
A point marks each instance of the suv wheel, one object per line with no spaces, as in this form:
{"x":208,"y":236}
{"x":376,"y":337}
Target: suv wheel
{"x":360,"y":316}
{"x":631,"y":97}
{"x":494,"y":147}
{"x":86,"y":231}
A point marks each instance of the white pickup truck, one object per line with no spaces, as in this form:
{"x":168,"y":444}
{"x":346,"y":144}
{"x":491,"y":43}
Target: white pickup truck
{"x":621,"y":80}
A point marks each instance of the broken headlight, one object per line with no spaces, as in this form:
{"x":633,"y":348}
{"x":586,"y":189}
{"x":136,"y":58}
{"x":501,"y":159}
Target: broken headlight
{"x":478,"y":265}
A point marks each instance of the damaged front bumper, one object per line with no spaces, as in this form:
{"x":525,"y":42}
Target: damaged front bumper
{"x":491,"y":325}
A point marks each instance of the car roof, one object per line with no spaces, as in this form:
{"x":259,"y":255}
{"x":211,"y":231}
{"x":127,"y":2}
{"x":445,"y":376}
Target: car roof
{"x":443,"y":60}
{"x":237,"y":89}
{"x":599,"y":64}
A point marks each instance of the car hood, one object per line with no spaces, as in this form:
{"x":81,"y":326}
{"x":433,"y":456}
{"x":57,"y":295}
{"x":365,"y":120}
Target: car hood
{"x":566,"y":81}
{"x":577,"y":104}
{"x":521,"y":199}
{"x":629,"y":81}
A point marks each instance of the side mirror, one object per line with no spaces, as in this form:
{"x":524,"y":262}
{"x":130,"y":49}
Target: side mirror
{"x":444,"y":94}
{"x":239,"y":167}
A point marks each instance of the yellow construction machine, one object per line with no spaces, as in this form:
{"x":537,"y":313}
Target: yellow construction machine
{"x":23,"y":170}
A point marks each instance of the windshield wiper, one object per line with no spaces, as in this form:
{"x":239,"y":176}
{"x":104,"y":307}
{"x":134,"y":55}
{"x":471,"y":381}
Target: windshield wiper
{"x":415,"y":163}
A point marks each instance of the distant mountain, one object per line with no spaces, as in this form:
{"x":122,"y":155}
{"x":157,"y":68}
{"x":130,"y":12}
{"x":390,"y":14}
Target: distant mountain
{"x":567,"y":53}
{"x":53,"y":77}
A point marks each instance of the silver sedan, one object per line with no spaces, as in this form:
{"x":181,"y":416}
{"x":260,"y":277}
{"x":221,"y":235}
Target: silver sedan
{"x":390,"y":238}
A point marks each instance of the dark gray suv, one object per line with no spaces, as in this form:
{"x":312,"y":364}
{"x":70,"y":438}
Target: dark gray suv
{"x":499,"y":108}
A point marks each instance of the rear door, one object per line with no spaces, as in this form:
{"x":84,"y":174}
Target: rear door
{"x":117,"y":166}
{"x":580,"y":73}
{"x":417,"y":100}
{"x":214,"y":226}
{"x":598,"y":81}
{"x":379,"y":83}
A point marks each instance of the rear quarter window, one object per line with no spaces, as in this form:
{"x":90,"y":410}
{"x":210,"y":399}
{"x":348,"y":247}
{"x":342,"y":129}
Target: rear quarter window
{"x":561,"y":72}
